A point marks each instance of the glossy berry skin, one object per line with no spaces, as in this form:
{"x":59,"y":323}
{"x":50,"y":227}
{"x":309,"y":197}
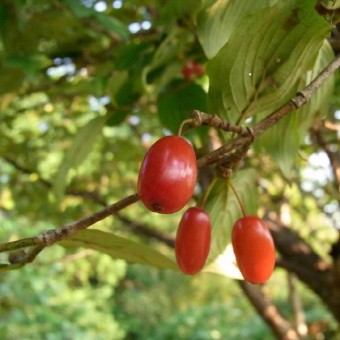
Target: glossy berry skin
{"x":168,"y":175}
{"x":193,"y":240}
{"x":254,"y":249}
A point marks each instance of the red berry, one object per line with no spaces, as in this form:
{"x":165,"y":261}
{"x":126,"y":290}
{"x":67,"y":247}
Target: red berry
{"x":188,"y":72}
{"x":198,"y":69}
{"x":193,"y":240}
{"x":168,"y":174}
{"x":192,"y":70}
{"x":254,"y":249}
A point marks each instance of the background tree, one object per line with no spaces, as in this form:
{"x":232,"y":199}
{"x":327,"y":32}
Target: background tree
{"x":86,"y":88}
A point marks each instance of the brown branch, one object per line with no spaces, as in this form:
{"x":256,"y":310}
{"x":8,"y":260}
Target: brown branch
{"x":333,"y":155}
{"x":55,"y":235}
{"x":299,"y":258}
{"x":267,"y":310}
{"x":295,"y":301}
{"x":49,"y":237}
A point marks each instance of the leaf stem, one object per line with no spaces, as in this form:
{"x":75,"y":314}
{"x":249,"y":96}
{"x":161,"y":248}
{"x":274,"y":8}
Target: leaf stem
{"x":238,"y":199}
{"x":185,"y":121}
{"x":207,"y":193}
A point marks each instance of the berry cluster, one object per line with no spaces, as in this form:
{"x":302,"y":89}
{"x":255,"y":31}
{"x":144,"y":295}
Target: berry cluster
{"x":166,"y":182}
{"x":192,"y":70}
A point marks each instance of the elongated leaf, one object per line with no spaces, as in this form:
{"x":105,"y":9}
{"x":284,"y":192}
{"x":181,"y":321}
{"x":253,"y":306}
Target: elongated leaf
{"x":120,"y":248}
{"x":113,"y":24}
{"x":282,"y":141}
{"x":77,"y":153}
{"x":224,"y":209}
{"x":217,"y":22}
{"x":318,"y":104}
{"x":266,"y":56}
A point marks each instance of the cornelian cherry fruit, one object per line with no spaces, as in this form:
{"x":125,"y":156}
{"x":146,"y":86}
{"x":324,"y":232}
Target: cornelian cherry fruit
{"x":168,"y":175}
{"x":254,"y":249}
{"x":192,"y":70}
{"x":193,"y":240}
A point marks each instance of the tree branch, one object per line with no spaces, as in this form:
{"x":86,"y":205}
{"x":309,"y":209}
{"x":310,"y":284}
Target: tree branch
{"x":333,"y":155}
{"x":267,"y":310}
{"x":299,"y":258}
{"x":49,"y":237}
{"x":55,"y":235}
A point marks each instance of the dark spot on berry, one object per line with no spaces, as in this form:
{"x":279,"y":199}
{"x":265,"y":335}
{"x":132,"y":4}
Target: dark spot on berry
{"x":157,"y":207}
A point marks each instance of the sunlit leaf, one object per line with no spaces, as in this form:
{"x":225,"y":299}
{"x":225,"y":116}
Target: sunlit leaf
{"x":224,"y":210}
{"x":218,"y":20}
{"x":318,"y":105}
{"x":282,"y":141}
{"x":225,"y":264}
{"x":77,"y":153}
{"x":120,"y":248}
{"x":79,"y":9}
{"x":113,"y":24}
{"x":259,"y":69}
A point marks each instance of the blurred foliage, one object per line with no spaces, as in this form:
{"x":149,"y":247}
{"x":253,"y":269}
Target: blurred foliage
{"x":85,"y":88}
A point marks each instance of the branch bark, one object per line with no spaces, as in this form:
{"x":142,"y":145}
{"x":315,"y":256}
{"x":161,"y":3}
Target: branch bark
{"x":299,"y":258}
{"x":269,"y":313}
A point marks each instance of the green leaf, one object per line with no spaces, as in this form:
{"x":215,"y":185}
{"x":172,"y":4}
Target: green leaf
{"x":117,"y":117}
{"x":176,"y":10}
{"x":4,"y":15}
{"x":318,"y":105}
{"x":127,"y":55}
{"x":116,"y":81}
{"x":31,"y":64}
{"x":175,"y":106}
{"x":266,"y":56}
{"x":79,"y":9}
{"x":282,"y":143}
{"x":224,"y":210}
{"x":217,"y":22}
{"x":167,"y":52}
{"x":107,"y":21}
{"x":77,"y":153}
{"x":283,"y":140}
{"x":113,"y":24}
{"x":119,"y":247}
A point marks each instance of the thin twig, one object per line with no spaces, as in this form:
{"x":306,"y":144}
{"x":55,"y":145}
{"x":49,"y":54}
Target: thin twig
{"x":25,"y":242}
{"x":200,"y":118}
{"x":49,"y":237}
{"x":55,"y":235}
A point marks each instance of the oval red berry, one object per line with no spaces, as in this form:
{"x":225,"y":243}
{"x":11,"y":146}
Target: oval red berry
{"x":254,"y":249}
{"x":193,"y":241}
{"x":168,"y":175}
